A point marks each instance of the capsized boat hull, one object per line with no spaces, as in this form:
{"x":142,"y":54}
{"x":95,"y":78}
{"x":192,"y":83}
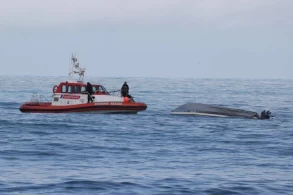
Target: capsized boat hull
{"x":211,"y":110}
{"x":96,"y":107}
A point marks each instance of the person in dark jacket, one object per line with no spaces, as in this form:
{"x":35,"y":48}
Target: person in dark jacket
{"x":124,"y":90}
{"x":89,"y":89}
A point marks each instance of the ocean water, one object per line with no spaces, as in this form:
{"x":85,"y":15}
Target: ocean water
{"x":151,"y":152}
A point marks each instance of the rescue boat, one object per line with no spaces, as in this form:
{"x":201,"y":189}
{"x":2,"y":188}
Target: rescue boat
{"x":71,"y":96}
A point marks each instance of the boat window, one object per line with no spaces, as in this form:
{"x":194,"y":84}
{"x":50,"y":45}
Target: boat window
{"x":101,"y":89}
{"x":94,"y":89}
{"x":70,"y":89}
{"x":77,"y":89}
{"x":104,"y":89}
{"x":63,"y":88}
{"x":83,"y":89}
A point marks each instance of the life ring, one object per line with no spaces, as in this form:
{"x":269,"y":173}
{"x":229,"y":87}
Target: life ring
{"x":55,"y":89}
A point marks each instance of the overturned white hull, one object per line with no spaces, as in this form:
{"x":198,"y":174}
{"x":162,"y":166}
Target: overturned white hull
{"x":213,"y":111}
{"x":198,"y":113}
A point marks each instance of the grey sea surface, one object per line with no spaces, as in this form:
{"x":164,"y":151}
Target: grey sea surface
{"x":151,"y":152}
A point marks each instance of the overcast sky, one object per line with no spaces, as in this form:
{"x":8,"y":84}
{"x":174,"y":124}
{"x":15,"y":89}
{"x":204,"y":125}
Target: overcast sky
{"x":150,"y":38}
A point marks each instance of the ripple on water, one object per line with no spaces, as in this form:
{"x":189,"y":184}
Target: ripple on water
{"x":152,"y":152}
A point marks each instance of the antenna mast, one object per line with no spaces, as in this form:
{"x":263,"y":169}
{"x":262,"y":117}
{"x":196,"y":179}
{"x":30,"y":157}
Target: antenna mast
{"x":76,"y":69}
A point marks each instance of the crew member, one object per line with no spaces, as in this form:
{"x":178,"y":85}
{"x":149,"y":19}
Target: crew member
{"x":124,"y":90}
{"x":89,"y":89}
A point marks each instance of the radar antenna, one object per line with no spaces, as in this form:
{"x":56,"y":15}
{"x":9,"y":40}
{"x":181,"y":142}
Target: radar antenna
{"x":76,"y":69}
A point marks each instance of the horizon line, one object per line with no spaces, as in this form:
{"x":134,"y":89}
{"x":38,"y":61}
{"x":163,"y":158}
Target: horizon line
{"x":154,"y":77}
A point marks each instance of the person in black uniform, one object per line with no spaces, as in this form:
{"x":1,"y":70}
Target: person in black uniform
{"x":89,"y":89}
{"x":124,"y":90}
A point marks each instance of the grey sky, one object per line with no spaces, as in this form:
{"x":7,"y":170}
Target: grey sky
{"x":154,"y":38}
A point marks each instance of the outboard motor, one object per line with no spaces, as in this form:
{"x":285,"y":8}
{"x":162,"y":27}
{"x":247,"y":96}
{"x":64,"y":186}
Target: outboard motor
{"x":266,"y":114}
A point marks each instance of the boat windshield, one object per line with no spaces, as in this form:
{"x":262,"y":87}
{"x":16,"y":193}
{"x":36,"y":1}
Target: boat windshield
{"x":104,"y":89}
{"x":100,"y":89}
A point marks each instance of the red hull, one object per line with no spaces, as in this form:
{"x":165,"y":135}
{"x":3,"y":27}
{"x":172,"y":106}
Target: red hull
{"x":107,"y":107}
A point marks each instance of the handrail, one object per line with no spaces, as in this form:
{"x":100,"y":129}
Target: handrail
{"x":38,"y":98}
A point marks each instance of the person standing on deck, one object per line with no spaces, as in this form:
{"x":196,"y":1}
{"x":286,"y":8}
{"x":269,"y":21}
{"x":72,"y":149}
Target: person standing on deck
{"x":89,"y":89}
{"x":124,"y":90}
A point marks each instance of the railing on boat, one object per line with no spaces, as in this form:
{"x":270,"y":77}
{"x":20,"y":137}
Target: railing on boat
{"x":116,"y":92}
{"x":38,"y":99}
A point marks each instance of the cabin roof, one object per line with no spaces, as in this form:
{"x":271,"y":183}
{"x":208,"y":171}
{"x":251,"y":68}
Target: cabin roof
{"x":76,"y":83}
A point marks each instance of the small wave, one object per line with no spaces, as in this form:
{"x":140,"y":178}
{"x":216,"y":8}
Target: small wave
{"x":89,"y":184}
{"x":218,"y":191}
{"x":9,"y":105}
{"x":232,"y":190}
{"x":75,"y":185}
{"x":113,"y":148}
{"x":10,"y":153}
{"x":32,"y":124}
{"x":41,"y":133}
{"x":174,"y":186}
